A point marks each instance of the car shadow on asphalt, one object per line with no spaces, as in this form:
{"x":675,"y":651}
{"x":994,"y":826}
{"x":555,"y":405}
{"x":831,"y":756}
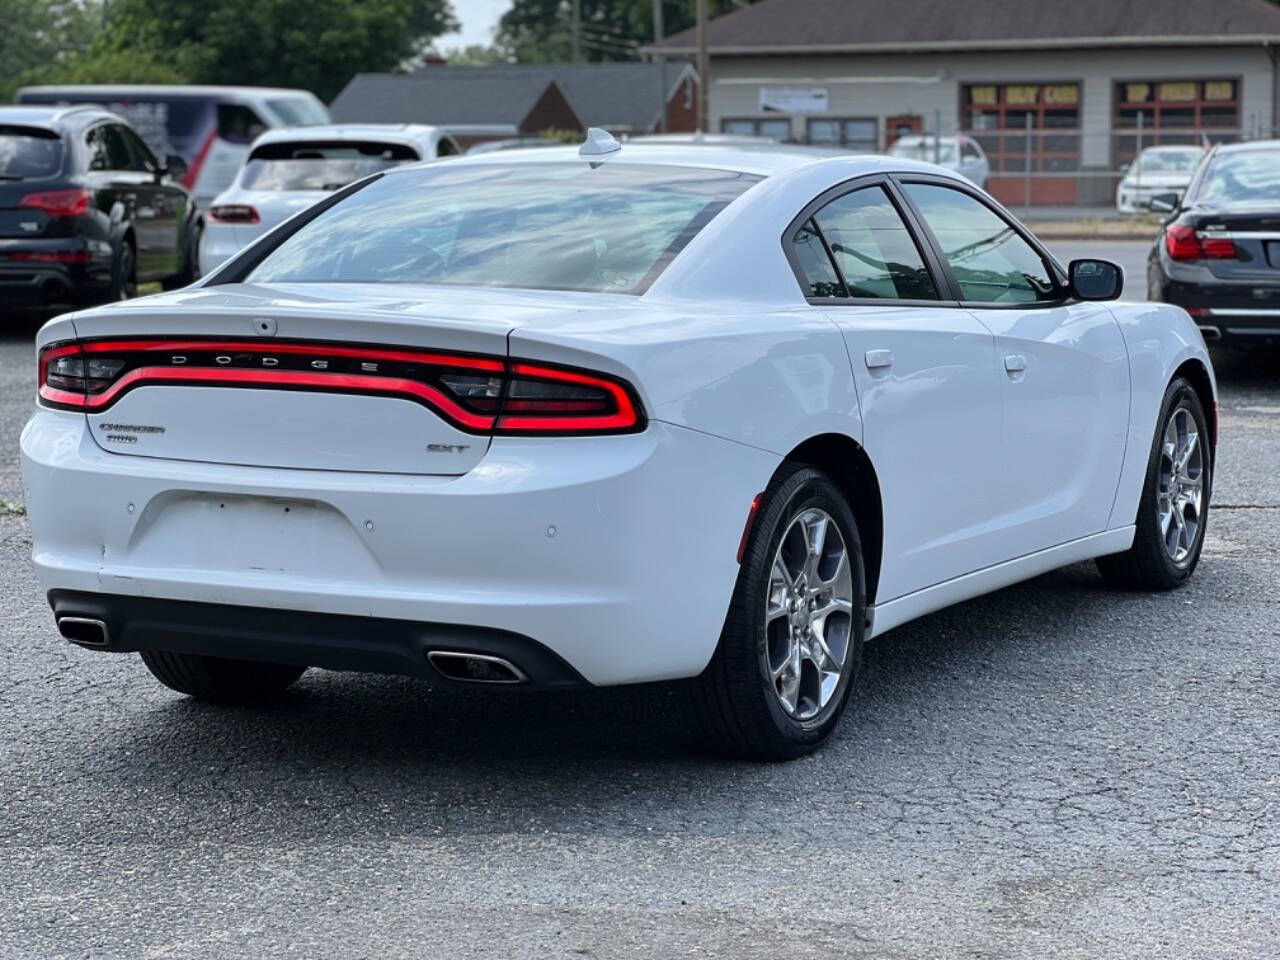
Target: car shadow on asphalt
{"x":482,"y":758}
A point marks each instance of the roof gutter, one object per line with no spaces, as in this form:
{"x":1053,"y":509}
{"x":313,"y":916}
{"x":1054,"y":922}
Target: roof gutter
{"x":925,"y":46}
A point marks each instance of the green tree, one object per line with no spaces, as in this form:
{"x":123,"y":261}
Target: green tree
{"x":41,"y":36}
{"x":317,"y":45}
{"x":474,"y":55}
{"x":542,"y":30}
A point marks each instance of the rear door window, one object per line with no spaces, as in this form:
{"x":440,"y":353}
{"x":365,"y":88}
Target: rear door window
{"x":143,"y":158}
{"x":119,"y":156}
{"x":876,"y":255}
{"x":29,"y":153}
{"x":821,"y":279}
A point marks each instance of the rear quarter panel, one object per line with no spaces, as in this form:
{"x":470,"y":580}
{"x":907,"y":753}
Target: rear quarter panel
{"x":1159,"y":338}
{"x":770,"y":379}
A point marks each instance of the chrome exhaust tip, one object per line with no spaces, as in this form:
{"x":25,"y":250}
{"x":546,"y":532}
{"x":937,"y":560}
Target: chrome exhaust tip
{"x":1210,"y":332}
{"x":85,"y":631}
{"x":476,"y":667}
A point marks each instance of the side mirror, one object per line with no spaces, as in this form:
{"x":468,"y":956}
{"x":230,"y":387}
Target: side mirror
{"x":1095,"y":280}
{"x":1163,"y":203}
{"x":174,"y":166}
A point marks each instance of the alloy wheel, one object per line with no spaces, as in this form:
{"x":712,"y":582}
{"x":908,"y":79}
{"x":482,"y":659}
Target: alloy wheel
{"x":1180,"y":497}
{"x":808,"y":614}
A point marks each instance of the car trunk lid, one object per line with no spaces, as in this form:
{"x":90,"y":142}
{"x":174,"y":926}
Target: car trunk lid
{"x":1242,"y":241}
{"x":347,"y":377}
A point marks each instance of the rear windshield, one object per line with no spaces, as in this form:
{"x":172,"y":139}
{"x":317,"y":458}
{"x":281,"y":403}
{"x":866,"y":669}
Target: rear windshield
{"x":29,"y":153}
{"x":320,"y":166}
{"x":1250,"y":176}
{"x":532,"y":225}
{"x":1169,"y":161}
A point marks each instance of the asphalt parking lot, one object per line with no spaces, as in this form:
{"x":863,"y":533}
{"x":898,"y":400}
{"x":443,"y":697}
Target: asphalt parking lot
{"x":1055,"y":770}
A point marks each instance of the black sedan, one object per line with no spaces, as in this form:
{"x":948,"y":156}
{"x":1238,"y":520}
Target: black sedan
{"x":1219,"y":255}
{"x":86,"y":210}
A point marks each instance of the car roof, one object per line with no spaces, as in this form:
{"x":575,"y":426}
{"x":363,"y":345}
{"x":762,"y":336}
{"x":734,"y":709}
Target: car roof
{"x":758,"y":160}
{"x":50,"y":116}
{"x":911,"y":138}
{"x":1246,"y":146}
{"x":170,"y":89}
{"x":704,"y":139}
{"x":406,"y":133}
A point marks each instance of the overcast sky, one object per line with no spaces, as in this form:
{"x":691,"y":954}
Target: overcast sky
{"x":478,"y":19}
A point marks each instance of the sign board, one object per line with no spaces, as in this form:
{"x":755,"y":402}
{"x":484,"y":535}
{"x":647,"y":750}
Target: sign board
{"x":794,"y":99}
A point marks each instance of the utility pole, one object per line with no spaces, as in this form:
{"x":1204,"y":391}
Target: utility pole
{"x":577,"y":31}
{"x":661,"y":61}
{"x":704,"y":69}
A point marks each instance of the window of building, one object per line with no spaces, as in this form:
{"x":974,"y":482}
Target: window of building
{"x":1153,"y":112}
{"x":778,"y":128}
{"x":1030,"y":133}
{"x":858,"y":135}
{"x":1025,"y":126}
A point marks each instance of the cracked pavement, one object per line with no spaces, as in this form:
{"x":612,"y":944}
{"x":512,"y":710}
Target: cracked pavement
{"x":1057,"y":769}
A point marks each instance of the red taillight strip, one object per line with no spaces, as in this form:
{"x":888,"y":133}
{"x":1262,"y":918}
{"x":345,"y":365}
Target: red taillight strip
{"x":566,"y":416}
{"x":625,"y":418}
{"x":339,"y":382}
{"x":319,"y":349}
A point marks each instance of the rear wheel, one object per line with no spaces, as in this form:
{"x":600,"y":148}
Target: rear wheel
{"x":124,"y":272}
{"x":219,"y":679}
{"x":1174,"y":509}
{"x":792,"y":643}
{"x":190,"y":271}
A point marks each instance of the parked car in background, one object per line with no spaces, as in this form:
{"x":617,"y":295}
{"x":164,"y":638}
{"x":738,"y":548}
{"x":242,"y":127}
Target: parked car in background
{"x":87,"y":211}
{"x":1218,"y":255}
{"x":1158,"y":171}
{"x":288,"y":170}
{"x":209,"y":127}
{"x":609,"y":415}
{"x":960,"y":153}
{"x":703,"y":139}
{"x":512,"y":143}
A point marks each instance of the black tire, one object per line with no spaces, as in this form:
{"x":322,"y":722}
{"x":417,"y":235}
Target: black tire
{"x":190,"y":263}
{"x":218,"y":679}
{"x":733,"y":701}
{"x":1147,"y":565}
{"x":124,"y":272}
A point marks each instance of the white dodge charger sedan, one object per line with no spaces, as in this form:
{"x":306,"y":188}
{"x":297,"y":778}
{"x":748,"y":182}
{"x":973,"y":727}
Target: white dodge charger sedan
{"x":605,"y":416}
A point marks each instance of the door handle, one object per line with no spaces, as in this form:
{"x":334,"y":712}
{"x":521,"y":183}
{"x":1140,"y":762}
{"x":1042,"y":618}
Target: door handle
{"x":879,"y":359}
{"x":1015,"y":363}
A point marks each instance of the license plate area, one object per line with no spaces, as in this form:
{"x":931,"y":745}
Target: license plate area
{"x":1272,"y":248}
{"x":266,"y":536}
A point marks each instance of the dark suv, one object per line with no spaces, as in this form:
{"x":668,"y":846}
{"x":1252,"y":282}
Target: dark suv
{"x":86,"y":210}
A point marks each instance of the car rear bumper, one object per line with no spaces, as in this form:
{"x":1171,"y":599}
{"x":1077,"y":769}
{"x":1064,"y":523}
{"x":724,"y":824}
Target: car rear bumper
{"x":617,"y":554}
{"x":42,"y":283}
{"x":1225,"y":311}
{"x":333,"y":641}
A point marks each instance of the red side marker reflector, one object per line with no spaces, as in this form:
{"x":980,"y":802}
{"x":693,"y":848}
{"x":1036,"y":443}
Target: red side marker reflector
{"x":746,"y":530}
